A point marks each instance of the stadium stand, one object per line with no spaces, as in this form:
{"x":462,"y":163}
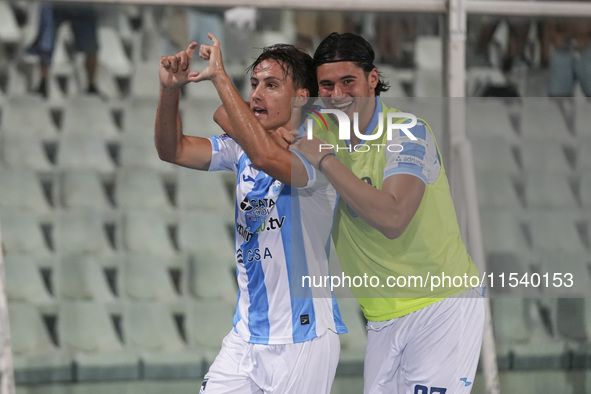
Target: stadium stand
{"x":149,"y":278}
{"x":37,"y":359}
{"x":152,"y":331}
{"x":82,"y":188}
{"x":87,"y":330}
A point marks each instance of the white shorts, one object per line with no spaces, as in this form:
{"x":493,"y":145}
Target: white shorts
{"x":434,"y":350}
{"x":242,"y":367}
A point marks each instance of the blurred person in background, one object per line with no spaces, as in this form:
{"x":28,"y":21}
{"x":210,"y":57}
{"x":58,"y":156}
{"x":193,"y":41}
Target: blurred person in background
{"x":514,"y":55}
{"x":393,"y":32}
{"x":312,"y":25}
{"x":566,"y":49}
{"x":83,"y":21}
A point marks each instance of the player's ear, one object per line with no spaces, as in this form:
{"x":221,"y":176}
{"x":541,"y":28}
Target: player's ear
{"x":301,"y":97}
{"x":373,"y":78}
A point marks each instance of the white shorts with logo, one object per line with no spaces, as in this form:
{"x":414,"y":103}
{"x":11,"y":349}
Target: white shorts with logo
{"x":245,"y":368}
{"x":434,"y":350}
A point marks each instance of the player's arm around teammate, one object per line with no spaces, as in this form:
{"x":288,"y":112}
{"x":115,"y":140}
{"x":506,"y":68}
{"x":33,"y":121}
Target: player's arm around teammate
{"x":389,"y":210}
{"x":262,"y":148}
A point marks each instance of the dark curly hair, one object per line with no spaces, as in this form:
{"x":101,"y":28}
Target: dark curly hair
{"x":352,"y":48}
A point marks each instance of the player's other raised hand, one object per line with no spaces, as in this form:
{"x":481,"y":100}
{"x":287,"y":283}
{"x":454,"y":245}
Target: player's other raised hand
{"x":175,"y":70}
{"x":213,"y":54}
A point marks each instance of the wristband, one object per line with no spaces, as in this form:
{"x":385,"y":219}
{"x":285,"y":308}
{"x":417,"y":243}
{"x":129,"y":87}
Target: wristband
{"x":324,"y":157}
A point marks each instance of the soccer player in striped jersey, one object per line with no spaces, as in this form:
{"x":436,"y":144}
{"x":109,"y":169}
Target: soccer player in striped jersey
{"x":395,"y":219}
{"x":284,"y":340}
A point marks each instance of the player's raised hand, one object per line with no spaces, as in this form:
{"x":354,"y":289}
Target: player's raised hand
{"x":175,"y":70}
{"x":312,"y":149}
{"x":283,"y":137}
{"x":213,"y":54}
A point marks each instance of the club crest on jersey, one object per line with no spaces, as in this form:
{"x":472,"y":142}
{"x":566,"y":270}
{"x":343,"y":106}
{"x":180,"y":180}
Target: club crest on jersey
{"x":276,"y":187}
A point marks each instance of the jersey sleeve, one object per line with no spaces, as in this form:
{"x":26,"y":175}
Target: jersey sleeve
{"x":225,"y":153}
{"x":315,"y":178}
{"x":414,"y":157}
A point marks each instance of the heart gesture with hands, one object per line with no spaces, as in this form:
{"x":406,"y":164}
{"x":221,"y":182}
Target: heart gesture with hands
{"x":175,"y":70}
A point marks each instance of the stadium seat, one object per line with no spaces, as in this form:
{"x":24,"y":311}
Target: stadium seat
{"x":565,"y":262}
{"x":148,"y":277}
{"x":208,"y":322}
{"x":82,"y":188}
{"x":151,"y":330}
{"x":82,"y":278}
{"x":202,"y":190}
{"x":569,"y":316}
{"x":544,"y":157}
{"x":493,"y":154}
{"x":210,"y":278}
{"x":147,"y":232}
{"x":21,"y":151}
{"x":87,"y":330}
{"x":502,"y":233}
{"x":24,"y":281}
{"x":479,"y":78}
{"x":82,"y":232}
{"x":203,"y":230}
{"x":489,"y":118}
{"x":541,"y":191}
{"x":89,"y":116}
{"x":62,"y":65}
{"x":21,"y":190}
{"x":497,"y":191}
{"x":428,"y":83}
{"x":22,"y":234}
{"x":144,"y":80}
{"x":555,"y":230}
{"x":583,"y":155}
{"x":541,"y":120}
{"x":585,"y":191}
{"x":36,"y":358}
{"x":9,"y":31}
{"x":501,"y":265}
{"x":583,"y":119}
{"x":518,"y":326}
{"x":137,"y":150}
{"x":139,"y":116}
{"x":197,"y":116}
{"x":546,"y":381}
{"x":84,"y":152}
{"x":512,"y":319}
{"x":429,"y":53}
{"x":112,"y":54}
{"x":16,"y":86}
{"x":140,"y":188}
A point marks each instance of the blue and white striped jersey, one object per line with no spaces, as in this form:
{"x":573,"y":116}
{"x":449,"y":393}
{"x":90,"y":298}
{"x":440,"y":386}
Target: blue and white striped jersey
{"x":282,"y":233}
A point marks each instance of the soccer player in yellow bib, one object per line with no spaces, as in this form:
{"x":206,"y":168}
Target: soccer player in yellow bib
{"x":395,"y":223}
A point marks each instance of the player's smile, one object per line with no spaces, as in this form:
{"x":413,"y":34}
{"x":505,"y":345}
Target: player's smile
{"x":342,"y":83}
{"x":343,"y":105}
